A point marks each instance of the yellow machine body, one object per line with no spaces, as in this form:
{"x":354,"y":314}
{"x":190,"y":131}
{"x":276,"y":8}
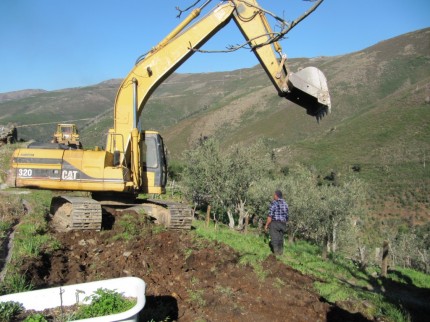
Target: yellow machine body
{"x":86,"y":170}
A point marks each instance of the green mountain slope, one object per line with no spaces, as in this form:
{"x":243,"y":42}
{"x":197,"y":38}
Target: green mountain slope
{"x":37,"y":113}
{"x":379,"y":124}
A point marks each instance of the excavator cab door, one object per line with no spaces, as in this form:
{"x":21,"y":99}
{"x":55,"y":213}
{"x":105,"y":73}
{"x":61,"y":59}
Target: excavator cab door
{"x":153,"y":163}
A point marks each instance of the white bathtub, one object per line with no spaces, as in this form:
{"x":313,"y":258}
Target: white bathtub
{"x":50,"y":297}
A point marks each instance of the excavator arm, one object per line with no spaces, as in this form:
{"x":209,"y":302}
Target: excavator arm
{"x":307,"y":88}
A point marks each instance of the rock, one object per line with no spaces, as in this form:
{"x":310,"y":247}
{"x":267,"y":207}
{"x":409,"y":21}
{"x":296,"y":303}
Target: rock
{"x":126,"y":254}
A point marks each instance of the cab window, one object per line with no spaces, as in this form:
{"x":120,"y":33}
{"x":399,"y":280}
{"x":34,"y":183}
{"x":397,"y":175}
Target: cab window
{"x":151,"y":153}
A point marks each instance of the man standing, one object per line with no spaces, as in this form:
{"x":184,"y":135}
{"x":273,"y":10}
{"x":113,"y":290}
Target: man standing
{"x":277,"y":221}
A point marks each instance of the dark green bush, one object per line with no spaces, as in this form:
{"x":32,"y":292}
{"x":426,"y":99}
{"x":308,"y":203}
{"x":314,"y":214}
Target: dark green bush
{"x":104,"y":302}
{"x":36,"y":318}
{"x":10,"y":309}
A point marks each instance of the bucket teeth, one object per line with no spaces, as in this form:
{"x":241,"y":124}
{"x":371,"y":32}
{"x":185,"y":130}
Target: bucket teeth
{"x":308,"y":88}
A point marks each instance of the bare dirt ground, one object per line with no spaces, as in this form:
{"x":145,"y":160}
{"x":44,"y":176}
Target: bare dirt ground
{"x":188,"y":278}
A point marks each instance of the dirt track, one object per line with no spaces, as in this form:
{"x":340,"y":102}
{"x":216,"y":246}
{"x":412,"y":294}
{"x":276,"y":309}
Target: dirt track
{"x":188,"y":279}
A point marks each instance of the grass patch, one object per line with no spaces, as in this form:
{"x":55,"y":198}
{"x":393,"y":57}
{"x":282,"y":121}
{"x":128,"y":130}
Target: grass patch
{"x":15,"y":283}
{"x":411,"y":277}
{"x":227,"y":291}
{"x":130,"y":227}
{"x":31,"y":237}
{"x":196,"y":296}
{"x":10,"y":211}
{"x":333,"y":292}
{"x":31,"y":234}
{"x":246,"y":244}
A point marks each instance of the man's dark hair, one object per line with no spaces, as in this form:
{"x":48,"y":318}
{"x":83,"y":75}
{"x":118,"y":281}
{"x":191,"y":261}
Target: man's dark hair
{"x":278,"y":193}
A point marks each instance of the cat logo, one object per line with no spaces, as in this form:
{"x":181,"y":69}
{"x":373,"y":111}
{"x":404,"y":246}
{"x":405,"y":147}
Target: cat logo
{"x":69,"y":174}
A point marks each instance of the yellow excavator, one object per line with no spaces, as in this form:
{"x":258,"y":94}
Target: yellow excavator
{"x":133,"y":161}
{"x":67,"y":134}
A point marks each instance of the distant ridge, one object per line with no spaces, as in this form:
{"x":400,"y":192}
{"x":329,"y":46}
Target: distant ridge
{"x":19,"y":94}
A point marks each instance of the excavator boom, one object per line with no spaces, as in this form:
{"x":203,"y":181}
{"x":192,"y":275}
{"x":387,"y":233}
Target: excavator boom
{"x":307,"y":88}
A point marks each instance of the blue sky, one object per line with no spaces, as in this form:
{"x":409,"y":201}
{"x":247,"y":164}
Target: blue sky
{"x":55,"y":44}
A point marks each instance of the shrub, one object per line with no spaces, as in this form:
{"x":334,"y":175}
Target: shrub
{"x":10,"y":309}
{"x":104,"y":302}
{"x":36,"y":318}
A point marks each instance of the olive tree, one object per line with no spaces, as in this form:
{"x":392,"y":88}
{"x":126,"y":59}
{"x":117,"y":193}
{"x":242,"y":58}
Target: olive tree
{"x":225,"y":178}
{"x":260,"y":195}
{"x":320,"y":212}
{"x":300,"y":192}
{"x":248,"y":166}
{"x":408,"y":249}
{"x":340,"y":207}
{"x":203,"y":173}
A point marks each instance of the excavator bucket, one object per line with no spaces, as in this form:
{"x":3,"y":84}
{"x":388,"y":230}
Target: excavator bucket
{"x":308,"y":88}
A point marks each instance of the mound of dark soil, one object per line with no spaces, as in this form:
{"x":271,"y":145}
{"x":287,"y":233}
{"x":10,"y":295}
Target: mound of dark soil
{"x":187,"y":278}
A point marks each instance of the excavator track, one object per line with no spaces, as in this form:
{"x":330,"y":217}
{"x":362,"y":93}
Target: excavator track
{"x":79,"y":213}
{"x":172,"y":215}
{"x":70,"y":213}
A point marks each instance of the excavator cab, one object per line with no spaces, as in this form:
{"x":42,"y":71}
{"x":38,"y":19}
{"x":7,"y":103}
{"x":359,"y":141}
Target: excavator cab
{"x":153,"y":162}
